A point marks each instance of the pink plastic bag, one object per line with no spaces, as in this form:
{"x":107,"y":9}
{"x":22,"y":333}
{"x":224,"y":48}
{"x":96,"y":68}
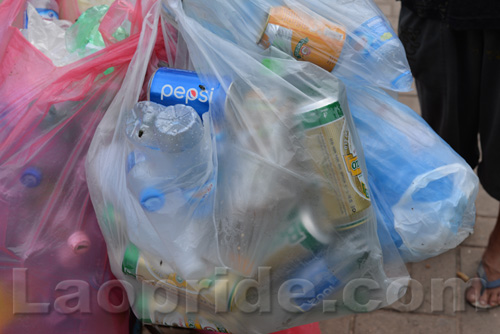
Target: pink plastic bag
{"x":54,"y":270}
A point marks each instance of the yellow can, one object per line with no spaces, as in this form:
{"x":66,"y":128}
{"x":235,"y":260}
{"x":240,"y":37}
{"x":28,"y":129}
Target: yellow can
{"x":165,"y":314}
{"x":305,"y":38}
{"x":156,"y":272}
{"x":329,"y":143}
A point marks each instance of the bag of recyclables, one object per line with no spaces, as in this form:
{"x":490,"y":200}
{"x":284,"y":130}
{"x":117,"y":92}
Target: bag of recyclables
{"x":420,"y":228}
{"x":54,"y":270}
{"x":231,"y":198}
{"x":423,"y":190}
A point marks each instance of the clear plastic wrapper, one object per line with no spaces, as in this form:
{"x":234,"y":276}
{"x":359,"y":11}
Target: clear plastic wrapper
{"x":48,"y":36}
{"x":423,"y":190}
{"x":257,"y":212}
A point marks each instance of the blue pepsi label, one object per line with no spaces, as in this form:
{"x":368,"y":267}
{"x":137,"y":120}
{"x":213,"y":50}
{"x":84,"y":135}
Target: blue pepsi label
{"x":172,"y":86}
{"x":372,"y":34}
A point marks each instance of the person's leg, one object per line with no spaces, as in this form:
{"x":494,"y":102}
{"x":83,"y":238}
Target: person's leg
{"x":489,"y":131}
{"x":457,"y":74}
{"x":446,"y":65}
{"x":489,"y":167}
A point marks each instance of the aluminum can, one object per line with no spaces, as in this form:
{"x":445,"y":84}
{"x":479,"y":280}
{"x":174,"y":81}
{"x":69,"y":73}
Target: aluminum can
{"x":328,"y":141}
{"x":152,"y":312}
{"x":159,"y":273}
{"x":169,"y":86}
{"x":303,"y":37}
{"x":301,"y":239}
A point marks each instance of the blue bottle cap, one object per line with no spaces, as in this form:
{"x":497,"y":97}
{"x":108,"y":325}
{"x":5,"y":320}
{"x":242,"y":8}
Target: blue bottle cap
{"x":152,"y":199}
{"x":31,"y":177}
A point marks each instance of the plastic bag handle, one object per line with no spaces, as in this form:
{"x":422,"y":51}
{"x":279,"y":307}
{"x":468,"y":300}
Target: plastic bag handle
{"x":421,"y":181}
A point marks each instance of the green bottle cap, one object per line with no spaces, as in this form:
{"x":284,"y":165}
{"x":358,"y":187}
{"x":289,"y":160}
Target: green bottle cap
{"x":130,"y":260}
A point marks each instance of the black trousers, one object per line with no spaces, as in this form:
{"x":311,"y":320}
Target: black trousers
{"x":457,"y":75}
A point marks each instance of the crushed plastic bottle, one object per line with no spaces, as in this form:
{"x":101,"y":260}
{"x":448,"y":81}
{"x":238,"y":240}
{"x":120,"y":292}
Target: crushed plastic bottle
{"x":168,"y":142}
{"x":84,"y":37}
{"x":85,"y":32}
{"x":170,"y":173}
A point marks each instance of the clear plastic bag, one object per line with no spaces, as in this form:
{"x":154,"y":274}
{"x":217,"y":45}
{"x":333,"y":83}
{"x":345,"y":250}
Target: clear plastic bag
{"x":52,"y":252}
{"x":270,"y":192}
{"x":423,"y":190}
{"x":350,"y":38}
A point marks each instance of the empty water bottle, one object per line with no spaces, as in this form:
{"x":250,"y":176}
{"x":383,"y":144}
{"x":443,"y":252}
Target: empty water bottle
{"x":171,"y":158}
{"x":170,"y":173}
{"x":372,"y":44}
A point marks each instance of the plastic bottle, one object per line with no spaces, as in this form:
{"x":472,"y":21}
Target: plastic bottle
{"x":85,"y":32}
{"x":71,"y":253}
{"x":48,"y":9}
{"x":360,"y":43}
{"x":170,"y":152}
{"x":171,"y":175}
{"x":372,"y":44}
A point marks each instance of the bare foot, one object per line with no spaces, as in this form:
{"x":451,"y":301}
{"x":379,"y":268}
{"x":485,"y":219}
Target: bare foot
{"x":489,"y":297}
{"x":491,"y":264}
